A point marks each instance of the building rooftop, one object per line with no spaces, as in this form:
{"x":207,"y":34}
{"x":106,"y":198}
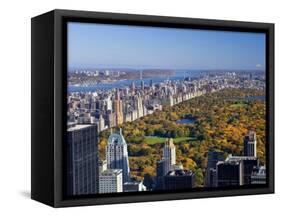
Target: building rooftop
{"x":239,"y":158}
{"x":117,"y":138}
{"x":229,"y":162}
{"x":251,"y":135}
{"x":111,"y":172}
{"x":74,"y":127}
{"x":180,"y":173}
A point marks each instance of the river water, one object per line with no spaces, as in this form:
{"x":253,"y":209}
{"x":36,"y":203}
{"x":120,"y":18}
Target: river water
{"x":179,"y":75}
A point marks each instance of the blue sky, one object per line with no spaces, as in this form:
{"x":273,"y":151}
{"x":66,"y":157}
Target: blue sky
{"x":106,"y":45}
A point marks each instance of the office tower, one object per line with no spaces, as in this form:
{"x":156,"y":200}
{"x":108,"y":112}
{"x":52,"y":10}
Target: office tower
{"x":249,"y":162}
{"x":229,"y":173}
{"x":210,"y":174}
{"x":258,"y":175}
{"x":118,"y":108}
{"x":250,"y":144}
{"x":82,"y":159}
{"x":110,"y":181}
{"x":169,"y":152}
{"x":117,"y":154}
{"x":179,"y":179}
{"x":133,"y":186}
{"x":162,"y":168}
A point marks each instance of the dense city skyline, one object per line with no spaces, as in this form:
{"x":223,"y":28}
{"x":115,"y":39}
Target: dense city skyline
{"x":121,"y":46}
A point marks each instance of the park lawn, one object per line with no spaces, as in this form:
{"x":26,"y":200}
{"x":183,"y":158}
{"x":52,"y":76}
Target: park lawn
{"x":155,"y":140}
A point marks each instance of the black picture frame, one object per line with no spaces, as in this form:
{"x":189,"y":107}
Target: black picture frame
{"x":48,"y":92}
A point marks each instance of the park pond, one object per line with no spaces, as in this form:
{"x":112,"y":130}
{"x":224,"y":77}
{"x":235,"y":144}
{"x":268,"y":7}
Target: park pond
{"x":187,"y":120}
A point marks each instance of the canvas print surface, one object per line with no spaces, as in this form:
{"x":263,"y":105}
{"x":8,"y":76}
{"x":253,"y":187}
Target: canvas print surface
{"x":164,"y":109}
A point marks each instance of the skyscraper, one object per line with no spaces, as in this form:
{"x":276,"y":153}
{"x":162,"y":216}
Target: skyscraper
{"x":118,"y":108}
{"x":210,"y":175}
{"x":249,"y":163}
{"x":179,"y":179}
{"x":229,"y":173}
{"x":110,"y":181}
{"x":169,"y":152}
{"x":82,"y":159}
{"x":133,"y":87}
{"x":142,"y":84}
{"x":117,"y":154}
{"x":250,"y":144}
{"x":162,"y":168}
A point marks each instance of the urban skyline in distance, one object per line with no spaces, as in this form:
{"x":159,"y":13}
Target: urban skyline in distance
{"x":144,"y":128}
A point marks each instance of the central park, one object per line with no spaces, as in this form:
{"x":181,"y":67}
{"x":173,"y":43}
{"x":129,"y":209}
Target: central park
{"x":218,"y":120}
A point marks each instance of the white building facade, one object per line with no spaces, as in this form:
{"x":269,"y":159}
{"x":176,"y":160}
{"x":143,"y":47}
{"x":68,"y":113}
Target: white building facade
{"x":110,"y":181}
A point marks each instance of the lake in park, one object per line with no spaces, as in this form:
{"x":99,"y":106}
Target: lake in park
{"x":186,"y":120}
